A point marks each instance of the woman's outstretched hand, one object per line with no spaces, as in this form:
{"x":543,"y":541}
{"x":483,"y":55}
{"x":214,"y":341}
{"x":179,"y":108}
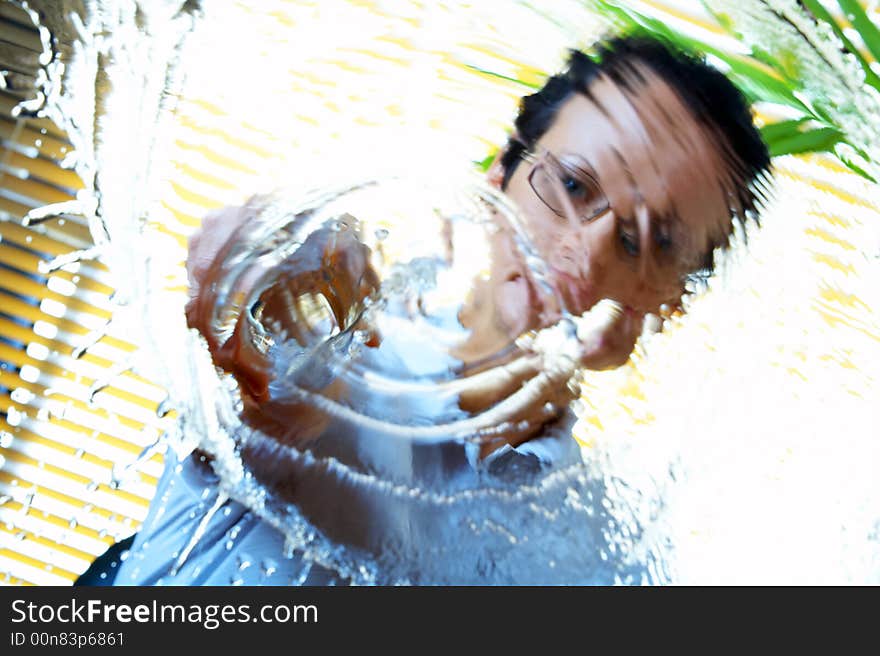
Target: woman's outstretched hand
{"x":536,"y":389}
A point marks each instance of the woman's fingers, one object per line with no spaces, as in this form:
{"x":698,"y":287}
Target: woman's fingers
{"x":204,"y":247}
{"x":208,"y":241}
{"x":610,"y":341}
{"x":485,"y":389}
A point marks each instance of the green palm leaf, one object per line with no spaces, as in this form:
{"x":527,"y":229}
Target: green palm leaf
{"x":819,"y":13}
{"x":863,"y":25}
{"x":793,"y":138}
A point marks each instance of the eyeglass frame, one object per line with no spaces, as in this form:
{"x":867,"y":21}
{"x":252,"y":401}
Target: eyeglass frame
{"x":538,"y":159}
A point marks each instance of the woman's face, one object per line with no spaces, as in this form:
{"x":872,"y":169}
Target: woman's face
{"x":626,"y":194}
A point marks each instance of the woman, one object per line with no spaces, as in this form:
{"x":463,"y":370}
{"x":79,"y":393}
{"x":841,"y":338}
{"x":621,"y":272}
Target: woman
{"x":628,"y":171}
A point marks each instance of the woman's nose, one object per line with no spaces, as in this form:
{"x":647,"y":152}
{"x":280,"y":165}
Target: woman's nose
{"x":569,"y":259}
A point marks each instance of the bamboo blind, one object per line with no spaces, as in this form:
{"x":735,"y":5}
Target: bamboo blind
{"x":60,"y":435}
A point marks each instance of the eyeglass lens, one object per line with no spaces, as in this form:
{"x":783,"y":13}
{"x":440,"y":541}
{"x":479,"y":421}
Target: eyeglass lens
{"x":583,"y":191}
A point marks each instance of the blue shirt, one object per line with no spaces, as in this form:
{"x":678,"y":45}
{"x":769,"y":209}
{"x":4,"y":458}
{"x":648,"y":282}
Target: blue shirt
{"x":237,"y":547}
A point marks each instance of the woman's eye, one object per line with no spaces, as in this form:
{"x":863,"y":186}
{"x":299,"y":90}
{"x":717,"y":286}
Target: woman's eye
{"x":573,"y":186}
{"x":629,"y":242}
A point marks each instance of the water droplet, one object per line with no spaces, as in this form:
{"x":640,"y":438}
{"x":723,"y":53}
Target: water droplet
{"x":236,"y":580}
{"x":269,"y":566}
{"x":72,"y":523}
{"x":381,"y":234}
{"x":164,"y":407}
{"x":243,"y":562}
{"x":21,"y":395}
{"x":26,"y":506}
{"x":13,"y":416}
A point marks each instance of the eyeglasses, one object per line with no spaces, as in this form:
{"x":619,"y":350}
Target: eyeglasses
{"x":550,"y":178}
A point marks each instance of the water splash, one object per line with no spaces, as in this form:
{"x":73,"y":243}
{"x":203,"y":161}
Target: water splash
{"x":377,"y":386}
{"x":107,"y":379}
{"x":91,"y":338}
{"x":198,"y":533}
{"x":123,"y":473}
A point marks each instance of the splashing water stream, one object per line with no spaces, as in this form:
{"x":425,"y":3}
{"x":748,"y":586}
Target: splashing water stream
{"x":370,"y":413}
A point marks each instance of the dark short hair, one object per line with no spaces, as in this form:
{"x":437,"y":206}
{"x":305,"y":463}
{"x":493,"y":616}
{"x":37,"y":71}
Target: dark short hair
{"x":705,"y":91}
